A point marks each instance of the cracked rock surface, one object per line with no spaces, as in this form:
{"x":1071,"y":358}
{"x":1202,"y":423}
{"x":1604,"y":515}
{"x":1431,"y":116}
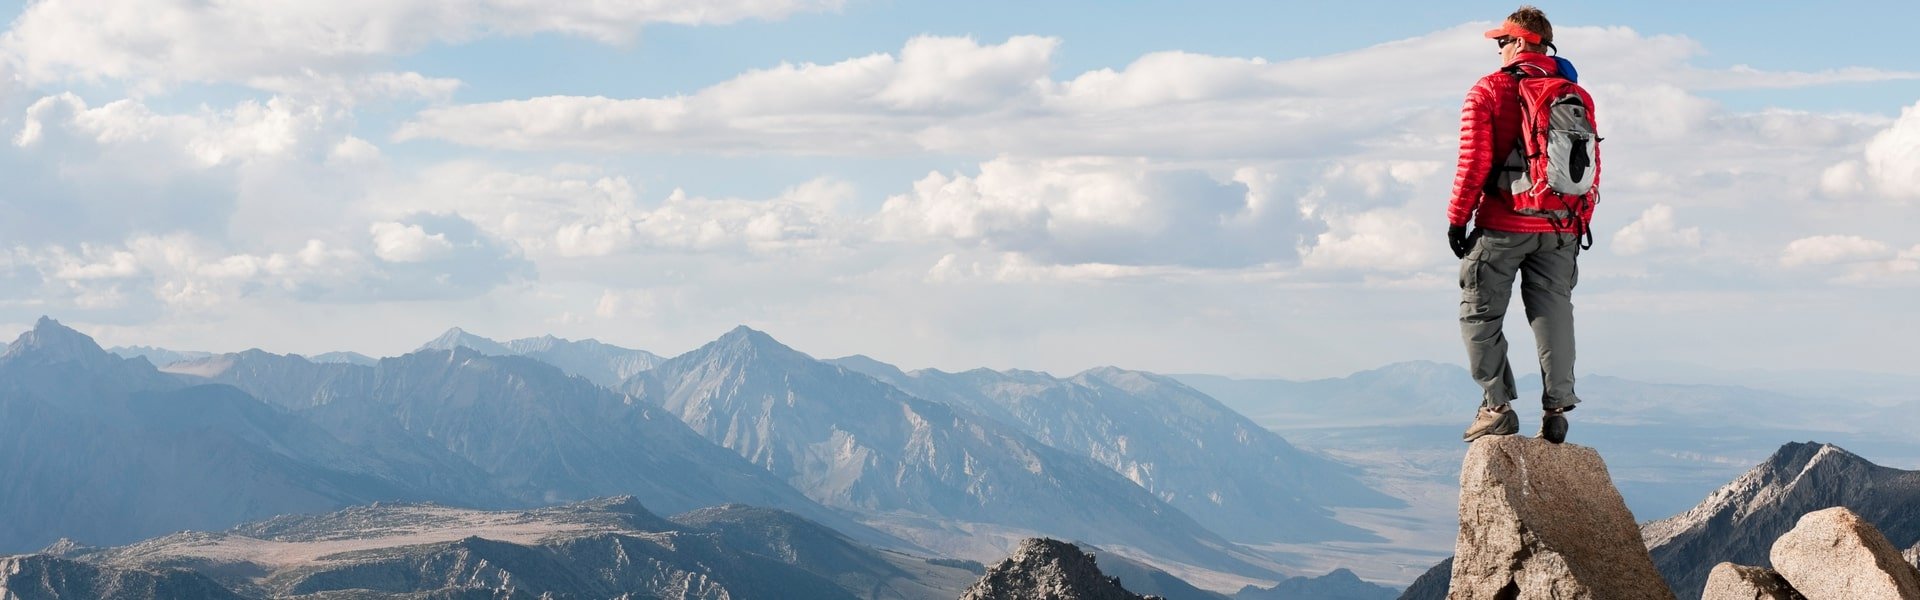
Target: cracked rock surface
{"x":1542,"y":520}
{"x":1834,"y":554}
{"x":1729,"y":581}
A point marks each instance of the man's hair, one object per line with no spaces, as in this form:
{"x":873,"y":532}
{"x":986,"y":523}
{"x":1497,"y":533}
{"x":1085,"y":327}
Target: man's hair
{"x":1535,"y":21}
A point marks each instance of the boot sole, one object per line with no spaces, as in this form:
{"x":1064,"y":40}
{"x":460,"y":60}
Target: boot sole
{"x":1508,"y":424}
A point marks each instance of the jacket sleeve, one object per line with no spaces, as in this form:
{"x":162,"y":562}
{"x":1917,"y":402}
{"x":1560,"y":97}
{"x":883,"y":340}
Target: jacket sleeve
{"x":1476,"y":155}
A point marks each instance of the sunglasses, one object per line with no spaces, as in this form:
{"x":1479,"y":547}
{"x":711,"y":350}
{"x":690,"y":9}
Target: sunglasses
{"x":1503,"y":41}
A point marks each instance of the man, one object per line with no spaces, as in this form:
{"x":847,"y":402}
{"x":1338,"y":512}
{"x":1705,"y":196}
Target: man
{"x":1505,"y":243}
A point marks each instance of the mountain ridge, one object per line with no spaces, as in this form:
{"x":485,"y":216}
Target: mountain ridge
{"x":1180,"y":444}
{"x":1741,"y":520}
{"x":598,"y":548}
{"x":857,"y":443}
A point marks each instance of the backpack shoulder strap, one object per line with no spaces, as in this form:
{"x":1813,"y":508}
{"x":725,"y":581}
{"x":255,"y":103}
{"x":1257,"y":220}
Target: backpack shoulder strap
{"x":1520,"y":70}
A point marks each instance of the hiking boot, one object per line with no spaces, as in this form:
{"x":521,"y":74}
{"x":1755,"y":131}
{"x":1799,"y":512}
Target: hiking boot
{"x":1492,"y":421}
{"x":1553,"y":426}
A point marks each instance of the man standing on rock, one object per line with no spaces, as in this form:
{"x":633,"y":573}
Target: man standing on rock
{"x":1499,"y":186}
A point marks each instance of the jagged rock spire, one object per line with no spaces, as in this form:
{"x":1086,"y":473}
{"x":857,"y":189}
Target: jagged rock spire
{"x":1050,"y":569}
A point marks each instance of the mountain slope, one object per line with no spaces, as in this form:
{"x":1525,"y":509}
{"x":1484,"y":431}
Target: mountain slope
{"x":816,"y":549}
{"x":535,"y":434}
{"x":1404,"y":393}
{"x":1740,"y":521}
{"x":602,"y":548}
{"x":42,"y":577}
{"x":1191,"y":451}
{"x":851,"y":441}
{"x":1341,"y":584}
{"x":109,"y":449}
{"x":604,"y":364}
{"x":157,"y":356}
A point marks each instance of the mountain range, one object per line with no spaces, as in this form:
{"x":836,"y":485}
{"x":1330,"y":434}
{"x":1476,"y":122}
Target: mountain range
{"x":213,"y":439}
{"x":110,"y":449}
{"x":603,"y":548}
{"x":1191,"y":451}
{"x":919,"y":468}
{"x":517,"y":431}
{"x":1176,"y":480}
{"x":604,"y":364}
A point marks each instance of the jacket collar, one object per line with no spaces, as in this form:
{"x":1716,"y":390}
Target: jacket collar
{"x":1537,"y":60}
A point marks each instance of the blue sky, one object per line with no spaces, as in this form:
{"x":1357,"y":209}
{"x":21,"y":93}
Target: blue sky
{"x":1247,"y":188}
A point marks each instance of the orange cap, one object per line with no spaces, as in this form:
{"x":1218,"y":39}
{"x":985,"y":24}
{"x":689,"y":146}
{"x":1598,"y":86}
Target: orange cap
{"x":1510,"y":28}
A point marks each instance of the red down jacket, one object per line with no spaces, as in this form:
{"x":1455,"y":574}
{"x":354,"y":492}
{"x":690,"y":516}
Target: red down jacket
{"x":1489,"y":129}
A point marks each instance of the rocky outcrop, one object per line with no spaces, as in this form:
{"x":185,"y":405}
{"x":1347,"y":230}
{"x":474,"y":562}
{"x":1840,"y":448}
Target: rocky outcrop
{"x":1741,"y":520}
{"x":43,"y":577}
{"x":1729,"y":581}
{"x":1542,"y":520}
{"x":1048,"y":569}
{"x":1834,"y":554}
{"x":1913,"y":556}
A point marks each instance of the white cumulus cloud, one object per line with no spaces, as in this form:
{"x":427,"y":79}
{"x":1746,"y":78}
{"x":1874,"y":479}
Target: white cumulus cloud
{"x":1656,"y":229}
{"x":162,"y":42}
{"x":396,"y":242}
{"x":250,"y":130}
{"x":1383,"y":239}
{"x":1890,"y":165}
{"x":1833,"y":249}
{"x":568,"y":213}
{"x":945,"y":94}
{"x":1087,"y":210}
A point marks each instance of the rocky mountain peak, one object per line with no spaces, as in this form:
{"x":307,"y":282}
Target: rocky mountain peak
{"x":1790,"y":468}
{"x":50,"y":342}
{"x":745,"y":344}
{"x":742,"y":334}
{"x":1048,"y":568}
{"x":1121,"y":378}
{"x":66,"y":548}
{"x":1739,"y":521}
{"x":459,"y":338}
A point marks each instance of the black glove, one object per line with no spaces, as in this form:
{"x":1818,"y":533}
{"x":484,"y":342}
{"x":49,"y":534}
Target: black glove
{"x":1460,"y":240}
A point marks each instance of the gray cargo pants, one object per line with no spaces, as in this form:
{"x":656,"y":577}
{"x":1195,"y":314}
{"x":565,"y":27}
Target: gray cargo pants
{"x":1548,"y":269}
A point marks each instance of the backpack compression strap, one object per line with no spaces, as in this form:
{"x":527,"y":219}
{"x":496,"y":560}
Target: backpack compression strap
{"x":1583,"y":233}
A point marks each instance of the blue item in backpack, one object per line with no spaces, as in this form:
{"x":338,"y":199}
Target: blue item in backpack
{"x":1566,"y":69}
